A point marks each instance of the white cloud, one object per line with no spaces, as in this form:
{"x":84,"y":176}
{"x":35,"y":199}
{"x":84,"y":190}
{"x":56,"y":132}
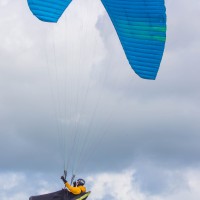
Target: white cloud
{"x":117,"y":186}
{"x":184,"y":185}
{"x":3,"y":2}
{"x":12,"y":186}
{"x":124,"y":185}
{"x":10,"y":180}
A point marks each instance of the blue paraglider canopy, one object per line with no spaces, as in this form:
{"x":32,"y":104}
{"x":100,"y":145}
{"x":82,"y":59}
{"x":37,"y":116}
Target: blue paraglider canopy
{"x":140,"y":25}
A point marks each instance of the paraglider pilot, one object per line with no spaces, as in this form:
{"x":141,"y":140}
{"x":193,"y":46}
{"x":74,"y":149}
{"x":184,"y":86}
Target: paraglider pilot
{"x":77,"y":188}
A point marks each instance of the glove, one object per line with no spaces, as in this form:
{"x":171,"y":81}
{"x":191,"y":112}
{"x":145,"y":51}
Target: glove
{"x":74,"y":183}
{"x":63,"y":179}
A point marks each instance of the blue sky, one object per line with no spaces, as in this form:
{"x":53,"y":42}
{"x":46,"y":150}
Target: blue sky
{"x":140,"y":138}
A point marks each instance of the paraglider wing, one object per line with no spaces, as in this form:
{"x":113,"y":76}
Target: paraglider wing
{"x":141,"y":27}
{"x":48,"y":10}
{"x":61,"y":195}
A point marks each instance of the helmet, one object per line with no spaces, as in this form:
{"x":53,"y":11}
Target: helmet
{"x":80,"y":181}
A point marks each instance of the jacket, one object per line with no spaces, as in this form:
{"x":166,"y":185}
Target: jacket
{"x":75,"y":190}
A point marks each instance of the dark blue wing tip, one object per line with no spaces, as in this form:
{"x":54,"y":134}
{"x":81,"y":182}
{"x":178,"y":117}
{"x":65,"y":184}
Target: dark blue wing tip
{"x":148,"y":77}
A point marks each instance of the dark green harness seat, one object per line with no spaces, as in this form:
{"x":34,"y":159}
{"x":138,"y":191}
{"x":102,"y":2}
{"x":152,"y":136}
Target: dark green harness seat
{"x":61,"y":195}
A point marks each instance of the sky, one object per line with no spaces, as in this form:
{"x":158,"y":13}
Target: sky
{"x":68,"y":98}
